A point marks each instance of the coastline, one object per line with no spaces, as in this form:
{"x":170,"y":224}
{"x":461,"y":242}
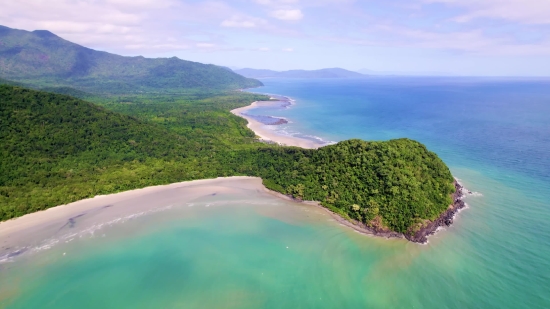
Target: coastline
{"x":270,"y":136}
{"x":32,"y":222}
{"x":20,"y":235}
{"x":421,"y":236}
{"x":446,"y":219}
{"x":39,"y":229}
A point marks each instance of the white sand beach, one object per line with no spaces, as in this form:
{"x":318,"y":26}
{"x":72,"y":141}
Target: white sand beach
{"x":35,"y":227}
{"x":266,"y":134}
{"x":58,"y":224}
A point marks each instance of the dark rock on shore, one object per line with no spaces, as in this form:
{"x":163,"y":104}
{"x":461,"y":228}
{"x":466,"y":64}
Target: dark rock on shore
{"x":420,"y":236}
{"x":446,"y":219}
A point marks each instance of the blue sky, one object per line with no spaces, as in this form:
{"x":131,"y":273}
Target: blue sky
{"x":463,"y":37}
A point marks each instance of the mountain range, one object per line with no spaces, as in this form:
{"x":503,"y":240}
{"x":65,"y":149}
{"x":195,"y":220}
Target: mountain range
{"x":43,"y":59}
{"x":322,"y":73}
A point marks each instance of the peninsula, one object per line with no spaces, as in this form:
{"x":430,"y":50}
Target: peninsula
{"x":143,"y":130}
{"x":417,"y":233}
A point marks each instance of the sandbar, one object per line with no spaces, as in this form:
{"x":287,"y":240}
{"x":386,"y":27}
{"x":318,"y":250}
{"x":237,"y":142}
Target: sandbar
{"x":266,"y":134}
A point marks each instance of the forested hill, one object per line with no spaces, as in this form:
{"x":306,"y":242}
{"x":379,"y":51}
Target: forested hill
{"x":55,"y":149}
{"x":41,"y":58}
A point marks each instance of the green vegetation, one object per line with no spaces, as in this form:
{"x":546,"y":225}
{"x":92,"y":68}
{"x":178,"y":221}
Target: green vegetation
{"x":57,"y":149}
{"x":42,"y":59}
{"x":399,"y":181}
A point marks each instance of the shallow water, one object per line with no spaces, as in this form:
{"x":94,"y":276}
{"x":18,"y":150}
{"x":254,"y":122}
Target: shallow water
{"x":249,"y":250}
{"x":495,"y":136}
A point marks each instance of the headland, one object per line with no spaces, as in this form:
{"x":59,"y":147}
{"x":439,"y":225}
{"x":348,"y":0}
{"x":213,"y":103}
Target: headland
{"x":420,"y":235}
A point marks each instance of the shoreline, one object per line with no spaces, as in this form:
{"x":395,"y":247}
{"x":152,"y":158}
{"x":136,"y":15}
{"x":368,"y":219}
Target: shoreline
{"x":38,"y":219}
{"x":42,"y":229}
{"x":446,"y":219}
{"x":34,"y":219}
{"x":19,"y":235}
{"x":270,"y":136}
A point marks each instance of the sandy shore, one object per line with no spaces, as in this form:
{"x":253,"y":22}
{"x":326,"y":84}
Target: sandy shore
{"x":57,"y":224}
{"x":267,"y":134}
{"x":32,"y":229}
{"x":44,"y":228}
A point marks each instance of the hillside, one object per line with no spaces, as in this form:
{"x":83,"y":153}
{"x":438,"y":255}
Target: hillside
{"x":56,"y":149}
{"x":42,"y":59}
{"x":322,"y":73}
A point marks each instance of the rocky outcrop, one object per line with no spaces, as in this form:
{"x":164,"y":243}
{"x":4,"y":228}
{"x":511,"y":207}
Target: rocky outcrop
{"x":420,"y":236}
{"x":446,"y":218}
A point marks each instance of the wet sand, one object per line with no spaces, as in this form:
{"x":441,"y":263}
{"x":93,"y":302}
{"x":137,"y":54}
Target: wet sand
{"x":32,"y":229}
{"x":57,"y":224}
{"x":266,"y":134}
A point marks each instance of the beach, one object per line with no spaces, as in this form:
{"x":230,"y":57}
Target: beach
{"x":266,"y":134}
{"x":45,"y":228}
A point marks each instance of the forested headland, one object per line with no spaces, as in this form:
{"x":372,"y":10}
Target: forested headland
{"x":57,"y":149}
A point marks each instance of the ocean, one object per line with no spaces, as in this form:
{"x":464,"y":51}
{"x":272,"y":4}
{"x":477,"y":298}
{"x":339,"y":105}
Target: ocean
{"x":253,"y":251}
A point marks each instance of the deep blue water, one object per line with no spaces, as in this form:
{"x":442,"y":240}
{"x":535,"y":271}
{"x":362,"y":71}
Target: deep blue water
{"x":493,"y":133}
{"x":501,"y":122}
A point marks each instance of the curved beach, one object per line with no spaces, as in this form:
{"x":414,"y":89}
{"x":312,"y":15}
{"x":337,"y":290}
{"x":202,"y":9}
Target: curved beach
{"x":44,"y":228}
{"x":266,"y":134}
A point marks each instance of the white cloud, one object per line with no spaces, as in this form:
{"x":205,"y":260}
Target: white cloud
{"x":288,"y":50}
{"x":525,"y":11}
{"x":160,"y":47}
{"x":264,"y":49}
{"x":471,"y":41}
{"x":237,"y":24}
{"x":242,"y":22}
{"x":140,"y":4}
{"x":276,"y":2}
{"x":121,"y":26}
{"x":288,"y":14}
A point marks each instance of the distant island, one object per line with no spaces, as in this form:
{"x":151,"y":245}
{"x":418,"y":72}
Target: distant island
{"x":172,"y":123}
{"x":322,"y":73}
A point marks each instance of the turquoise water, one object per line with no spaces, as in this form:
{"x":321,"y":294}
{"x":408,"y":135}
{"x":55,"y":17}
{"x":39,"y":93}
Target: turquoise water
{"x":253,"y":251}
{"x":495,"y":136}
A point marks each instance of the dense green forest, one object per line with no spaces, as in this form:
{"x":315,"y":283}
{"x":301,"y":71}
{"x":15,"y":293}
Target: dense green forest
{"x":57,"y":149}
{"x":42,"y":59}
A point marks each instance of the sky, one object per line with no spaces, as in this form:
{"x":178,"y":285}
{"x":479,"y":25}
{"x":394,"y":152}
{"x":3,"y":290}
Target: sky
{"x":454,"y":37}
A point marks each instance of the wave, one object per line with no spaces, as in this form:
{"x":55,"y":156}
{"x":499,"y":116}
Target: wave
{"x":68,"y":237}
{"x":465,"y":192}
{"x":93,"y":230}
{"x":287,"y":131}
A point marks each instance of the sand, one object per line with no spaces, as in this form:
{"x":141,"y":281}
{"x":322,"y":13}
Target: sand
{"x":44,"y":229}
{"x":267,"y":134}
{"x":33,"y":229}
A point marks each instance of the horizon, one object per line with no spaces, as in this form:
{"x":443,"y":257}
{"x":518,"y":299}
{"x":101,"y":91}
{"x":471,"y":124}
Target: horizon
{"x":364,"y":71}
{"x":419,"y":37}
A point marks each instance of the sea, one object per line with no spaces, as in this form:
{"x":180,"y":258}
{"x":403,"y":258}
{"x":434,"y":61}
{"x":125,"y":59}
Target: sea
{"x":256,"y":251}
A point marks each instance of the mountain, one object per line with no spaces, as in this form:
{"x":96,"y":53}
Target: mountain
{"x":9,"y":82}
{"x":257,"y":73}
{"x":367,"y":72}
{"x":403,"y":73}
{"x":323,"y":73}
{"x":41,"y":58}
